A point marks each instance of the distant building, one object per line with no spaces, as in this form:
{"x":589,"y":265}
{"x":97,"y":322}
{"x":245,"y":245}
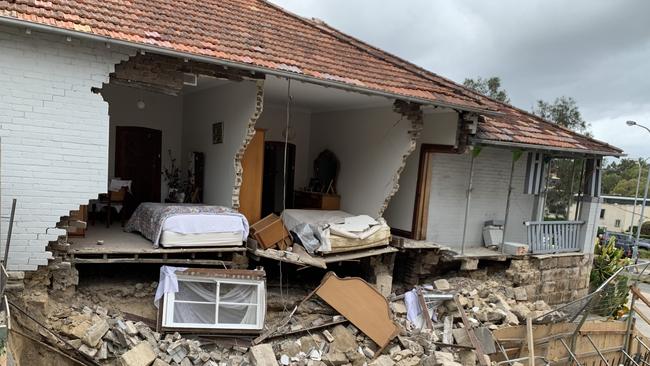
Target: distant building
{"x":616,"y":212}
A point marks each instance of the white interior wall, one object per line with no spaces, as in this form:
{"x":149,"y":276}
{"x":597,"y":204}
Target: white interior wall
{"x":440,"y":129}
{"x":162,"y":112}
{"x":369,"y":144}
{"x":450,"y":174}
{"x":232,"y":103}
{"x":273,"y":120}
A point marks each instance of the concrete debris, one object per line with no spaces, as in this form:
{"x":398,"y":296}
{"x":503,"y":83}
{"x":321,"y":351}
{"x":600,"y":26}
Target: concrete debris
{"x":263,"y":355}
{"x":102,"y":332}
{"x":442,"y":284}
{"x":108,"y":337}
{"x":140,"y":355}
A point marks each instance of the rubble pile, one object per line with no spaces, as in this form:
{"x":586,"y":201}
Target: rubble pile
{"x":110,"y":339}
{"x":346,"y":345}
{"x":316,"y":335}
{"x":490,"y":303}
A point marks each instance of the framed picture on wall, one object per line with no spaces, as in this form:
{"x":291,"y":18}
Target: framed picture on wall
{"x":217,"y":133}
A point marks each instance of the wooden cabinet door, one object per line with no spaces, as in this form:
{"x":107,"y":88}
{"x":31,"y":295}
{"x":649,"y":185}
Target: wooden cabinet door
{"x":250,"y":193}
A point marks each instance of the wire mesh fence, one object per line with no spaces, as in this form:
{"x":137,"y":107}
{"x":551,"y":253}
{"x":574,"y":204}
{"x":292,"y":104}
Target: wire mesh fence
{"x":604,"y":301}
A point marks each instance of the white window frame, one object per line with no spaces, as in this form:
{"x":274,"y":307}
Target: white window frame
{"x":169,"y":300}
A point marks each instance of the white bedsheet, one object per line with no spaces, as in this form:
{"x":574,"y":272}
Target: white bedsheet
{"x":197,"y":224}
{"x":333,"y":222}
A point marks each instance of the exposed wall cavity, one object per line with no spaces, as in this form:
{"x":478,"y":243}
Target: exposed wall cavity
{"x":413,"y":113}
{"x":167,"y":75}
{"x":250,"y":132}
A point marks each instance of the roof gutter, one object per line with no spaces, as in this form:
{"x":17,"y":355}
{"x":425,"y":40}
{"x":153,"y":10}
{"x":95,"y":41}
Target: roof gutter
{"x":544,"y":148}
{"x":243,"y":66}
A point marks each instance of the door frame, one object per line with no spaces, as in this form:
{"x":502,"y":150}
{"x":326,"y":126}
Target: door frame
{"x":118,"y":146}
{"x":420,"y":219}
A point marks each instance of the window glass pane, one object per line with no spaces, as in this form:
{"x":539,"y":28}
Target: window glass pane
{"x":237,"y":314}
{"x":194,"y":313}
{"x":237,"y":293}
{"x":196,"y":291}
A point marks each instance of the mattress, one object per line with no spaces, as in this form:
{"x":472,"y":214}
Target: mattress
{"x":341,"y":235}
{"x":181,"y":221}
{"x":202,"y":223}
{"x":215,"y":239}
{"x":343,"y":244}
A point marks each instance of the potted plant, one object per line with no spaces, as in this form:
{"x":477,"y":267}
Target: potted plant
{"x":175,"y":182}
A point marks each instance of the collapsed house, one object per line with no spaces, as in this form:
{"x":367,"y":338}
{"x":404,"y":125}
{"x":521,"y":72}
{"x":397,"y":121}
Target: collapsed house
{"x":269,"y":113}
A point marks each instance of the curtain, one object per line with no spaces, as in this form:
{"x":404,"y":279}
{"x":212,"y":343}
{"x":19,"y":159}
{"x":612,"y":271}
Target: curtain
{"x":195,"y":313}
{"x":205,"y":313}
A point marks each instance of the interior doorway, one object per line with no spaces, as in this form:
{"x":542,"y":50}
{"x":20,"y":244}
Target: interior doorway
{"x":277,"y":193}
{"x":423,"y":188}
{"x":137,"y":158}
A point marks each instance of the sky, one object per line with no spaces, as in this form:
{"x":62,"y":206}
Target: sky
{"x":597,"y":52}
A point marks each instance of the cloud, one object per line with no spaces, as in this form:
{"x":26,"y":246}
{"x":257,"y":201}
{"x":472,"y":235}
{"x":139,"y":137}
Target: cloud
{"x":597,"y":52}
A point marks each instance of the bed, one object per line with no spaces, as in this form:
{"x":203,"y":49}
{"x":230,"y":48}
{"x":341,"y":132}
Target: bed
{"x":188,"y":225}
{"x":337,"y":231}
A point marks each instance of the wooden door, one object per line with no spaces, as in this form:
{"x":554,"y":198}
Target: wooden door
{"x":250,"y":193}
{"x":423,"y":189}
{"x":277,"y":191}
{"x":137,"y":158}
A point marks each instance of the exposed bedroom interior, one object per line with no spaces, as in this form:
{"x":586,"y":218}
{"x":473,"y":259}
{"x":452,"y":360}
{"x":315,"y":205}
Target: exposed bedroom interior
{"x":322,"y":153}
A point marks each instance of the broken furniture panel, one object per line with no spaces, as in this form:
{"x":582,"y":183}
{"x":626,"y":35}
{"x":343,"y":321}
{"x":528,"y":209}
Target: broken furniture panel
{"x":361,"y":304}
{"x":270,"y":232}
{"x":212,"y":300}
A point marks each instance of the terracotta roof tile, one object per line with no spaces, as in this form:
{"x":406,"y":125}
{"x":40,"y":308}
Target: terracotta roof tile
{"x":255,"y":32}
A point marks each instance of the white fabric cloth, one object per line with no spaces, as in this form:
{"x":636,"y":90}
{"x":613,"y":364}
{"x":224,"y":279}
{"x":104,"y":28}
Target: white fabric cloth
{"x":414,"y":313}
{"x":413,"y":310}
{"x":334,"y":222}
{"x":357,"y":223}
{"x":198,"y":224}
{"x":168,"y":282}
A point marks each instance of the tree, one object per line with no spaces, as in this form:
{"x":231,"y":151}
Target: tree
{"x":619,"y":178}
{"x":490,"y":87}
{"x":563,"y":111}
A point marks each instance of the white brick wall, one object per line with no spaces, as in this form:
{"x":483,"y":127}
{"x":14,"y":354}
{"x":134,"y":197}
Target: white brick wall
{"x":450,"y":175}
{"x":53,"y":134}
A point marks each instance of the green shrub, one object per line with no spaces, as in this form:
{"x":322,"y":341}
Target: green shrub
{"x":607,"y":260}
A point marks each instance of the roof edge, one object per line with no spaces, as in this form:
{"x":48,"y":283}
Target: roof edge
{"x":12,"y":21}
{"x":546,"y":148}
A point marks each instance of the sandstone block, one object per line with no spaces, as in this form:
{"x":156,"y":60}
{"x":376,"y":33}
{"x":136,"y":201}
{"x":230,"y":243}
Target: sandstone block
{"x":344,"y":340}
{"x":263,"y":355}
{"x":442,"y":284}
{"x":140,"y":355}
{"x":382,"y":360}
{"x":95,"y":333}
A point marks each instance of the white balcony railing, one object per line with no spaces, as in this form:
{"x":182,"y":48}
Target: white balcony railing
{"x":553,"y":236}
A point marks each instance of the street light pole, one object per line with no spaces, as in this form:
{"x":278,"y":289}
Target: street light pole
{"x":636,"y":196}
{"x":638,"y":229}
{"x":645,"y":199}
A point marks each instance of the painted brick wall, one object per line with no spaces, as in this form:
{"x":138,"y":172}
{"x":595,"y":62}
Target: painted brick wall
{"x":450,"y":175}
{"x":53,"y":134}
